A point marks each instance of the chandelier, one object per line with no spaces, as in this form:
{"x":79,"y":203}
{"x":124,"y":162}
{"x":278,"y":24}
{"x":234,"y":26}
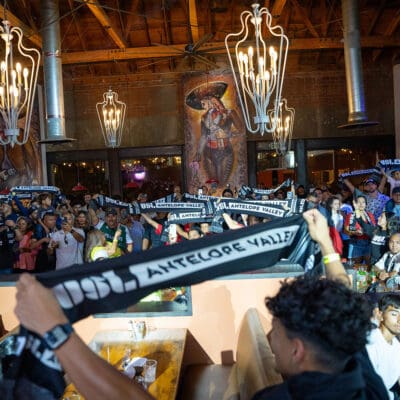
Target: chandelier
{"x":283,"y":122}
{"x":261,"y":68}
{"x":17,"y":85}
{"x":111,"y":113}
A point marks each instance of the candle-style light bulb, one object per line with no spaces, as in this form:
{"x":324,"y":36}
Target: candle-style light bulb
{"x":251,"y":53}
{"x":26,"y":73}
{"x":3,"y":72}
{"x":19,"y":76}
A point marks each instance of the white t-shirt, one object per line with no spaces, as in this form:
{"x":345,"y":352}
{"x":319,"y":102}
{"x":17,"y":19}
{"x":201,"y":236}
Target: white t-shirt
{"x":69,"y":250}
{"x":384,"y":357}
{"x":392,"y":261}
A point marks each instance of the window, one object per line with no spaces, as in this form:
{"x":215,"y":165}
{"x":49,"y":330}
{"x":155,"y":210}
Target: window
{"x":91,"y":174}
{"x":325,"y":166}
{"x":154,"y":175}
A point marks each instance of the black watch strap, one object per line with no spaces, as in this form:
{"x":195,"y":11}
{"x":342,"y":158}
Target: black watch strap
{"x":57,"y":336}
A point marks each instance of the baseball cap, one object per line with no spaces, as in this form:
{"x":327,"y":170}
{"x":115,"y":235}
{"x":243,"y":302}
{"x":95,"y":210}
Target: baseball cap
{"x":396,"y":190}
{"x":112,"y":211}
{"x":370,"y":180}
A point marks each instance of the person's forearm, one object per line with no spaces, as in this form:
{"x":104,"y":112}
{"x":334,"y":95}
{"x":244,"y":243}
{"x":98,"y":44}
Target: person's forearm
{"x":93,"y":377}
{"x":150,"y":221}
{"x":349,"y":184}
{"x":93,"y":216}
{"x":77,"y":236}
{"x":333,"y":269}
{"x":382,"y":183}
{"x":232,"y":224}
{"x":113,"y":247}
{"x":182,"y":232}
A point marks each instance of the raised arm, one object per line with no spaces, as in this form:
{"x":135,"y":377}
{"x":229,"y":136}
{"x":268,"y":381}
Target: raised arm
{"x":150,"y":221}
{"x":382,"y":183}
{"x":319,"y":231}
{"x":181,"y":232}
{"x":38,"y":310}
{"x":347,"y":182}
{"x":232,"y":224}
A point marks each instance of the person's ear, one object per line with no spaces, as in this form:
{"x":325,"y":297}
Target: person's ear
{"x":298,"y":350}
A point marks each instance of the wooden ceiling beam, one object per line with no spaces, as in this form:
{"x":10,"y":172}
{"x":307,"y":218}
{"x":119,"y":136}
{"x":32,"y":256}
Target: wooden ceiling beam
{"x":194,"y":22}
{"x":329,"y":17}
{"x":394,"y":23}
{"x":35,"y":38}
{"x":277,"y":9}
{"x":78,"y":31}
{"x":133,"y":10}
{"x":391,"y":28}
{"x":176,"y":50}
{"x":306,"y":20}
{"x":324,"y":18}
{"x":377,"y":15}
{"x":105,"y":22}
{"x":26,"y":6}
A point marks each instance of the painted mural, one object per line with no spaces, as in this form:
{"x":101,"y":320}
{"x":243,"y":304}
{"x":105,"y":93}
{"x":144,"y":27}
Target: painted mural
{"x":21,"y":165}
{"x":215,"y":135}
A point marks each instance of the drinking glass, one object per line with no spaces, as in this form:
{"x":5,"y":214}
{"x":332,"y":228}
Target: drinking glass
{"x":149,"y":371}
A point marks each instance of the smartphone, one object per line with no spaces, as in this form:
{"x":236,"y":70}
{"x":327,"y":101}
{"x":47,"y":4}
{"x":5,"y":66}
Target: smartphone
{"x":200,"y":191}
{"x":172,"y":230}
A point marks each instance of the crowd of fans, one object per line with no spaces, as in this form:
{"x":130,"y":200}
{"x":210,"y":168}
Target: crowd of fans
{"x":50,"y":234}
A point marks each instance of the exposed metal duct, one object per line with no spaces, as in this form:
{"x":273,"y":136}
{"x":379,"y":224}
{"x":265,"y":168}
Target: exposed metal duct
{"x":352,"y":56}
{"x":52,"y":68}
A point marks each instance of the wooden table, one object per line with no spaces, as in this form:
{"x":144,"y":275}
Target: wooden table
{"x":164,"y":345}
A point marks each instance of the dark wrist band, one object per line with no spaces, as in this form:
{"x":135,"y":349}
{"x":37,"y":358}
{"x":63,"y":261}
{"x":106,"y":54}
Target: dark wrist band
{"x":57,"y":336}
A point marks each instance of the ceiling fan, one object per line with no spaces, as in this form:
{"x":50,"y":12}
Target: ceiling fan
{"x":192,"y":52}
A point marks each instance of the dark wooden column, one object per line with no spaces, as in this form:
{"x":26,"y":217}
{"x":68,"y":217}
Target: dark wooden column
{"x":114,"y":169}
{"x":252,"y":163}
{"x":301,"y":162}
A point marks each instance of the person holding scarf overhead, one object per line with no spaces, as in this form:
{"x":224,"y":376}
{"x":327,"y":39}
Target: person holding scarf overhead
{"x":359,"y":225}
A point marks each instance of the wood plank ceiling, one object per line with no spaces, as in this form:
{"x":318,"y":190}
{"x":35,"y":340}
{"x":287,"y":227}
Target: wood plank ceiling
{"x":119,"y":37}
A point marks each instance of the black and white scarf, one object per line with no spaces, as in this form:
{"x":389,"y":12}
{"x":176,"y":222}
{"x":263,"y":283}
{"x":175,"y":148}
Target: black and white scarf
{"x":246,"y":190}
{"x":389,"y":165}
{"x":35,"y":189}
{"x":114,"y":284}
{"x":359,"y":173}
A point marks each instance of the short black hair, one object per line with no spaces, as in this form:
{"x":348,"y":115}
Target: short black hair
{"x":196,"y":227}
{"x":388,"y":300}
{"x":326,"y":314}
{"x":362,"y":197}
{"x":227,"y":191}
{"x":396,"y":189}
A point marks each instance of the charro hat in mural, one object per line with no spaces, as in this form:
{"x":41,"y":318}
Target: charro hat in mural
{"x":215,"y":89}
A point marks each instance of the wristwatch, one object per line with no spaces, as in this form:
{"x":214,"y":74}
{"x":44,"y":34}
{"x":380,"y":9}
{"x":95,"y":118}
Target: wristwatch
{"x":55,"y":337}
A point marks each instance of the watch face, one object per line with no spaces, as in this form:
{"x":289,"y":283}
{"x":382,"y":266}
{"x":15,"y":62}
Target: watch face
{"x":58,"y":335}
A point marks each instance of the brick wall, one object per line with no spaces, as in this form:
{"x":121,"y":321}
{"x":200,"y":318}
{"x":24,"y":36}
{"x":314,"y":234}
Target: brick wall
{"x":154,"y":107}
